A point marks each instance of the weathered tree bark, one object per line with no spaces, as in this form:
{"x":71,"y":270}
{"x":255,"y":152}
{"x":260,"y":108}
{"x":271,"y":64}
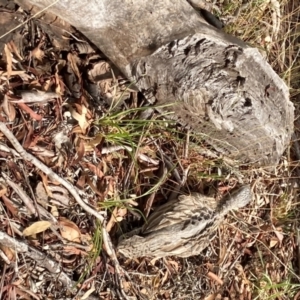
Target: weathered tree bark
{"x":215,"y":83}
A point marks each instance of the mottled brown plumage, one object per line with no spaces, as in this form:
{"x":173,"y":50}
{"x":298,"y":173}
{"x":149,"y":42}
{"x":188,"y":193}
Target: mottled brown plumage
{"x":182,"y":227}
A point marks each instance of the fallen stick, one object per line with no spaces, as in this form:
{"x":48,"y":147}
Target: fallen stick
{"x":41,"y":258}
{"x":28,"y":157}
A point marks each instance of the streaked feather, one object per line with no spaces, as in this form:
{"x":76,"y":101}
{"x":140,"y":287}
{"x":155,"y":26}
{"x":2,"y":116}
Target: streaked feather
{"x":182,"y":227}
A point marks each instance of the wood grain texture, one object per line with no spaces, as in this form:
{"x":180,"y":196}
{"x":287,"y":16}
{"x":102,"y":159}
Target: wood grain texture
{"x":214,"y":83}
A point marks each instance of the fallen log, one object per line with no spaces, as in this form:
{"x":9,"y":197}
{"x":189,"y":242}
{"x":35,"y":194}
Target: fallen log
{"x":216,"y":84}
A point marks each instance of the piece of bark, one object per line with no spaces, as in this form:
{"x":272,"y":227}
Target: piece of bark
{"x":216,"y":84}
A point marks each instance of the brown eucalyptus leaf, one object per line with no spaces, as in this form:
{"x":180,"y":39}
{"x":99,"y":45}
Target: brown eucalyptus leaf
{"x":8,"y":56}
{"x":69,"y":230}
{"x":37,"y":227}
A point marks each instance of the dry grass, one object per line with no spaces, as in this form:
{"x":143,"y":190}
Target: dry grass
{"x":255,"y":253}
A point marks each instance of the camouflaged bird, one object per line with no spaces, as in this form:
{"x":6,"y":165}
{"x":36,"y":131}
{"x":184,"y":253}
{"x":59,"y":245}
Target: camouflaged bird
{"x":182,"y":227}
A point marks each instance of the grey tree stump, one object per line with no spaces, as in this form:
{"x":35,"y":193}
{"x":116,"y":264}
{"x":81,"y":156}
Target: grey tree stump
{"x":216,"y":84}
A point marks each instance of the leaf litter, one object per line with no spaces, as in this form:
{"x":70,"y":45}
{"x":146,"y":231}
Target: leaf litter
{"x":73,"y":110}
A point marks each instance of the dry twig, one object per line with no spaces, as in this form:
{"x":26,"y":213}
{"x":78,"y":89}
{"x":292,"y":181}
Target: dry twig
{"x":68,"y":186}
{"x":27,"y":156}
{"x":41,"y":258}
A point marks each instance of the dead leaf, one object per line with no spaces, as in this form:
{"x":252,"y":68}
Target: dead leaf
{"x":273,"y":242}
{"x":100,"y":71}
{"x":40,"y":151}
{"x":174,"y":264}
{"x":80,"y":183}
{"x":122,"y":211}
{"x":32,"y":114}
{"x":12,"y":207}
{"x":164,"y":279}
{"x":8,"y":61}
{"x":3,"y":190}
{"x":215,"y":277}
{"x":38,"y":53}
{"x":24,"y":293}
{"x":116,"y":216}
{"x":80,"y":152}
{"x":15,"y":169}
{"x":211,"y":297}
{"x":147,"y":160}
{"x":95,"y":169}
{"x":13,"y":73}
{"x":59,"y":87}
{"x":88,"y":293}
{"x":69,"y":230}
{"x":54,"y":211}
{"x":144,"y":291}
{"x":279,"y":235}
{"x":126,"y":285}
{"x":94,"y":188}
{"x":110,"y":190}
{"x":132,"y":202}
{"x":9,"y":252}
{"x":93,"y":143}
{"x":45,"y":183}
{"x":156,"y":281}
{"x":73,"y":60}
{"x":87,"y":240}
{"x":74,"y":250}
{"x":13,"y":48}
{"x":112,"y":220}
{"x":80,"y":118}
{"x":37,"y":227}
{"x":47,"y":85}
{"x":8,"y":109}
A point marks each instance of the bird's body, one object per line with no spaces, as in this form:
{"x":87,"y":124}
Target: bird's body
{"x":182,"y":227}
